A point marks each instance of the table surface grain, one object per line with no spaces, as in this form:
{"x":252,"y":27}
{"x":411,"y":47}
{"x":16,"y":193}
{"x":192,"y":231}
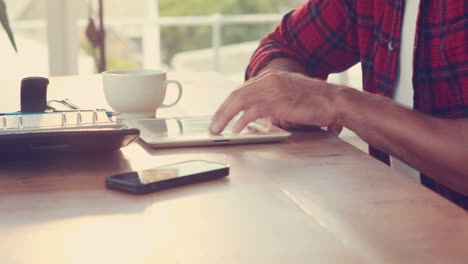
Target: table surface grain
{"x":311,"y":199}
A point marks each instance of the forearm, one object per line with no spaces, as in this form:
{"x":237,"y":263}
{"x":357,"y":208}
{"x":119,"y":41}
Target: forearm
{"x":436,"y":147}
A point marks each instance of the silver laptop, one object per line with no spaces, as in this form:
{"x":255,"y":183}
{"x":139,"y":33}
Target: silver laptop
{"x":193,"y":131}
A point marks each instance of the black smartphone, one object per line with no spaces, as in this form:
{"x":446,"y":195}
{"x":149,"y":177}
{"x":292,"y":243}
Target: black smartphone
{"x":164,"y":177}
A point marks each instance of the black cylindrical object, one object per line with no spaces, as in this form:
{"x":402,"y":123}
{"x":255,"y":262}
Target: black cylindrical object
{"x":34,"y":94}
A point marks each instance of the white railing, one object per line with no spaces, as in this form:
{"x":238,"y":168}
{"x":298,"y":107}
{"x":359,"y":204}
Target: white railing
{"x":216,"y":21}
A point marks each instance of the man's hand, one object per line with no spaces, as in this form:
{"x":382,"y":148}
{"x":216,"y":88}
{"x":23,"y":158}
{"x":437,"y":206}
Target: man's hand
{"x":289,"y":97}
{"x":436,"y":147}
{"x":286,"y":125}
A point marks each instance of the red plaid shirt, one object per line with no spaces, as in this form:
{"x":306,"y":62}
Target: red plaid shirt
{"x":329,"y":36}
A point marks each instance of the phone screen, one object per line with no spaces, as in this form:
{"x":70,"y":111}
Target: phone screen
{"x":171,"y":171}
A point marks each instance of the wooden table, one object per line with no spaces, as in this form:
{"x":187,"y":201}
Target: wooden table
{"x":311,"y":199}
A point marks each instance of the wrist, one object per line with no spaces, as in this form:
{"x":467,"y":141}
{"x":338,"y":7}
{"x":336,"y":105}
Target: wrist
{"x":345,"y":98}
{"x":283,"y":64}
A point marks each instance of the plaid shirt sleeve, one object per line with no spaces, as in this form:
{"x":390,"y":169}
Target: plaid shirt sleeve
{"x":320,"y":34}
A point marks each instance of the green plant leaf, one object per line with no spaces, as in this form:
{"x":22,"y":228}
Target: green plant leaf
{"x":6,"y":24}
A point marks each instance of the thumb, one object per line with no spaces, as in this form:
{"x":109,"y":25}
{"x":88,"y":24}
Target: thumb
{"x":335,"y":129}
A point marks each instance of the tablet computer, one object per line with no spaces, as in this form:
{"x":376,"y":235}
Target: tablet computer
{"x":193,"y":131}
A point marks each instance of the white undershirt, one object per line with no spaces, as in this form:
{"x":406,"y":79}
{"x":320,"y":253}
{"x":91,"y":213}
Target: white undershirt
{"x":404,"y":92}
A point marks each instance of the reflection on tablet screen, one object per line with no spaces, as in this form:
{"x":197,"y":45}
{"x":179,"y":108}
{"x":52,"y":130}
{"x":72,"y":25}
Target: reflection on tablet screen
{"x":192,"y":127}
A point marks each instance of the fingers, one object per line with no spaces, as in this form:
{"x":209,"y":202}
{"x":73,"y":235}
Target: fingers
{"x":335,"y":129}
{"x":239,"y":100}
{"x":291,"y":99}
{"x":233,"y":105}
{"x":228,"y":110}
{"x":256,"y":112}
{"x":276,"y":122}
{"x":286,"y":125}
{"x":283,"y":124}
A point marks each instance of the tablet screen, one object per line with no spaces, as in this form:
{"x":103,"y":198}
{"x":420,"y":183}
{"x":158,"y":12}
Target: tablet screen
{"x":191,"y":127}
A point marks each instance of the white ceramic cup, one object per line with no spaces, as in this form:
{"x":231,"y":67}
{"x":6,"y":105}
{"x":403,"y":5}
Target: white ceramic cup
{"x":137,"y":93}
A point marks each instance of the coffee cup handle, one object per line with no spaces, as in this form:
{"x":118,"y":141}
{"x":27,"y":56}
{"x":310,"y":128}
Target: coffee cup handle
{"x":179,"y":87}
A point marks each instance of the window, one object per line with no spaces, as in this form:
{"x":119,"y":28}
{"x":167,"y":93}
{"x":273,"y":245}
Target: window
{"x":27,"y":19}
{"x":176,"y":35}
